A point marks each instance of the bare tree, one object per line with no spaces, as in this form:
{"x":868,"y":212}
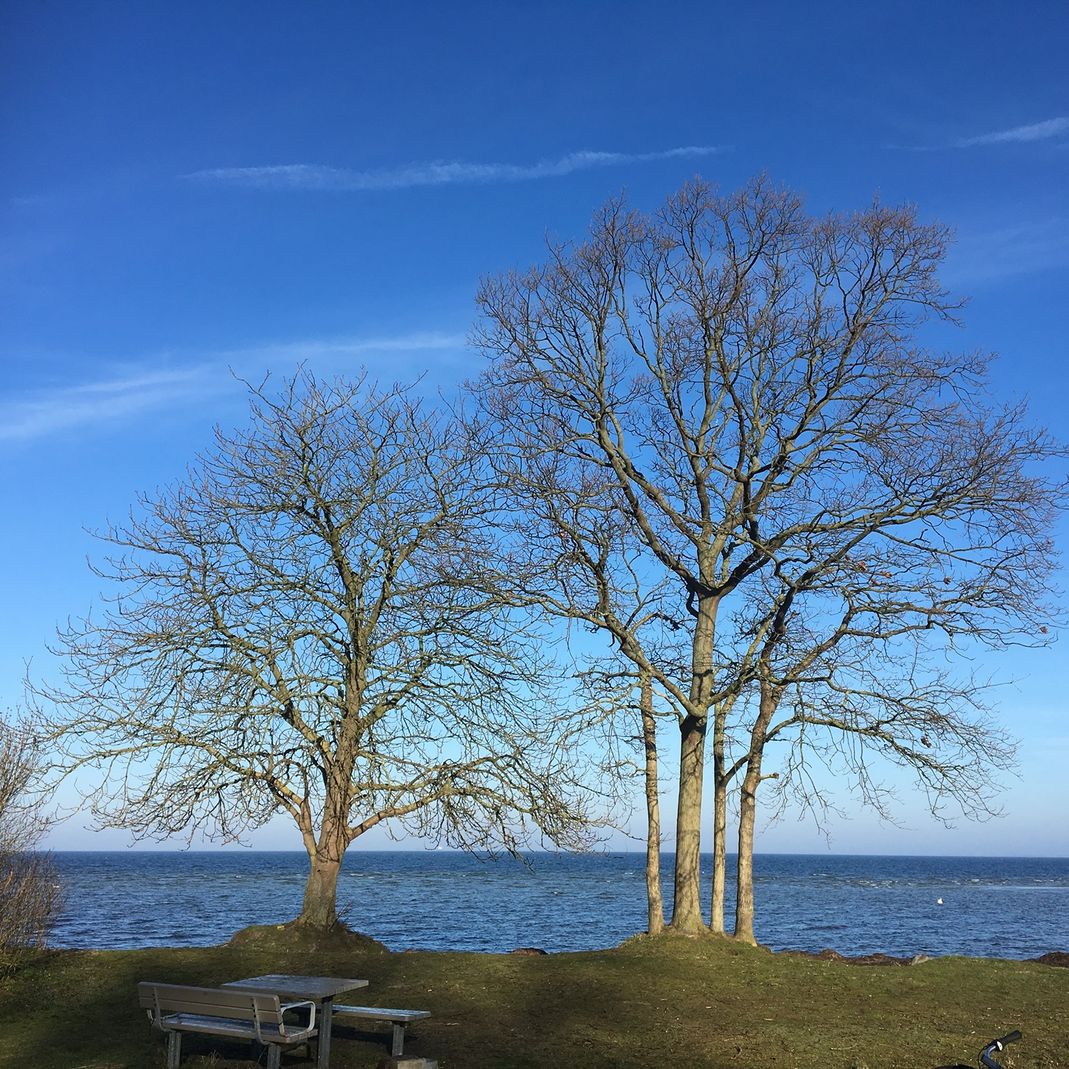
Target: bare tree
{"x":848,"y":699}
{"x":303,"y":627}
{"x":565,"y":552}
{"x":654,"y":900}
{"x":748,"y":387}
{"x":29,"y":889}
{"x":866,"y":631}
{"x":621,"y":715}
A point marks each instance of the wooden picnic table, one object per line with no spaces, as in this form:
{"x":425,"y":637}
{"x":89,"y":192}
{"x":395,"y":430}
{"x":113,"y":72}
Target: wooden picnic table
{"x":318,"y":989}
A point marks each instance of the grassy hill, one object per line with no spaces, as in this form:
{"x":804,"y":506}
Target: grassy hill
{"x":688,"y":1003}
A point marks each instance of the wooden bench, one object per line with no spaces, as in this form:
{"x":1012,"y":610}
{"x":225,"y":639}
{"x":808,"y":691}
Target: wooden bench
{"x":400,"y":1019}
{"x":235,"y":1014}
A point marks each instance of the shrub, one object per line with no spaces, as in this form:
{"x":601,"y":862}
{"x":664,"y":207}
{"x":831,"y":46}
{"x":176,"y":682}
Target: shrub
{"x":29,"y":892}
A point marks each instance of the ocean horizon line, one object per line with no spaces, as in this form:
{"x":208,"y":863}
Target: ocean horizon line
{"x":501,"y":854}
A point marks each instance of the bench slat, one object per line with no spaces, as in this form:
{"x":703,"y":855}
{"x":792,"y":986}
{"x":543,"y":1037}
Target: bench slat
{"x":212,"y":1001}
{"x":223,"y":1026}
{"x":398,"y":1018}
{"x":380,"y":1013}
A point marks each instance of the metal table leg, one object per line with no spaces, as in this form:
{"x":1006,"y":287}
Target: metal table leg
{"x":326,"y":1013}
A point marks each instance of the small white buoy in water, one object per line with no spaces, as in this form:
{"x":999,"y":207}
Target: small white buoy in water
{"x":938,"y":901}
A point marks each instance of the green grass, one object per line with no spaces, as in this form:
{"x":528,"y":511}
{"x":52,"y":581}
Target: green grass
{"x":693,"y":1004}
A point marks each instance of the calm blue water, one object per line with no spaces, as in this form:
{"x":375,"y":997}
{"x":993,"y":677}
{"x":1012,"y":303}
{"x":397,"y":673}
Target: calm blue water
{"x":1010,"y":908}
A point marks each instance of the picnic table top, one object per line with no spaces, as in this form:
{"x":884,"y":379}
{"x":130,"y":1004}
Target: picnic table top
{"x":308,"y":987}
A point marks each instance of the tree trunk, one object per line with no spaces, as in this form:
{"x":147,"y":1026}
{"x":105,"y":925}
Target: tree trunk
{"x":720,"y":820}
{"x":319,"y":909}
{"x":744,"y":901}
{"x":687,"y":907}
{"x":655,"y":904}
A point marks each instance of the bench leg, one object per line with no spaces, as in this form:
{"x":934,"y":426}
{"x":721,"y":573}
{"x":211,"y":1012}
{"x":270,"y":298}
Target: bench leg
{"x":274,"y":1056}
{"x":174,"y":1049}
{"x":398,"y":1044}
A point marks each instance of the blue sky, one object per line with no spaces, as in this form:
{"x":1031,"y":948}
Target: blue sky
{"x":193,"y":188}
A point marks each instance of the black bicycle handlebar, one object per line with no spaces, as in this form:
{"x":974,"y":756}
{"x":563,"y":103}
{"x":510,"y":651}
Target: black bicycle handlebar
{"x":995,"y":1046}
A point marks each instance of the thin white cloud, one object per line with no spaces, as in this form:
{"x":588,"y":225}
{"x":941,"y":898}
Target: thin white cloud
{"x":311,"y":349}
{"x":43,"y":412}
{"x":317,"y":177}
{"x":1037,"y":131}
{"x":107,"y":401}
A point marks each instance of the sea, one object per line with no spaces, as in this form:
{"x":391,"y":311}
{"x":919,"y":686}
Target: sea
{"x":444,"y":900}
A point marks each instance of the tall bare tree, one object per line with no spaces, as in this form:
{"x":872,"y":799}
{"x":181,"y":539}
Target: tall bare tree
{"x":869,"y":687}
{"x":621,"y":716}
{"x":565,"y":551}
{"x":302,"y":627}
{"x":866,"y":631}
{"x":747,"y":386}
{"x":654,"y":899}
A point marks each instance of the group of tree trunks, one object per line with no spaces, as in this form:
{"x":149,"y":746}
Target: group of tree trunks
{"x":712,"y":441}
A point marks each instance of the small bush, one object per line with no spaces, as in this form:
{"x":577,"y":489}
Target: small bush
{"x":29,"y":891}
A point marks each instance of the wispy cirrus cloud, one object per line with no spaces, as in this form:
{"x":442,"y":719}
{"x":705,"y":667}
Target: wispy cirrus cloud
{"x":39,"y":413}
{"x":315,"y":348}
{"x":127,"y":394}
{"x":1037,"y":131}
{"x":1030,"y":133}
{"x":309,"y":177}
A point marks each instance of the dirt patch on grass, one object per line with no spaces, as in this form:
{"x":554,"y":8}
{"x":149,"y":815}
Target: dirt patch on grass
{"x":302,"y":938}
{"x":860,"y":959}
{"x":1058,"y":958}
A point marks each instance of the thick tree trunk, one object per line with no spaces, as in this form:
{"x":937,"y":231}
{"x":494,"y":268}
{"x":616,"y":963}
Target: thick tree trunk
{"x":654,"y":902}
{"x":687,"y":907}
{"x":720,"y":820}
{"x":319,"y":909}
